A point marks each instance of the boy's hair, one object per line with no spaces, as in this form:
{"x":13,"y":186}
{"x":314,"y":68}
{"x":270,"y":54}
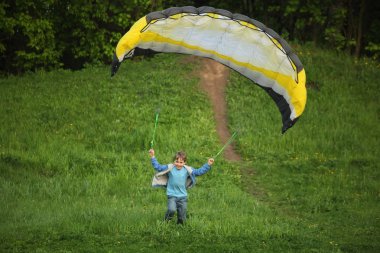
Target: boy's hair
{"x":180,"y":154}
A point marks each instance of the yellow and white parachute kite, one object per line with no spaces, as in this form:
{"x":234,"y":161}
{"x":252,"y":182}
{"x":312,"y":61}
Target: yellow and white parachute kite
{"x":235,"y":40}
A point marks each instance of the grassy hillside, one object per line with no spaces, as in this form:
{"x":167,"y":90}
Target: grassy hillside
{"x":75,"y":173}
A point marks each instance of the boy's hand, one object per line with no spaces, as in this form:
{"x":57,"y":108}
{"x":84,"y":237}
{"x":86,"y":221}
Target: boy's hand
{"x":210,"y":161}
{"x":151,"y":152}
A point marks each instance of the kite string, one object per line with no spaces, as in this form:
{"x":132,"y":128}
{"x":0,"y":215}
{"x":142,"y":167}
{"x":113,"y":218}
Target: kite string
{"x":225,"y":145}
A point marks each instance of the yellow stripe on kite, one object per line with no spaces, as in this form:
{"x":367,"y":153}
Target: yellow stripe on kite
{"x":177,"y":16}
{"x":130,"y":40}
{"x":249,"y":25}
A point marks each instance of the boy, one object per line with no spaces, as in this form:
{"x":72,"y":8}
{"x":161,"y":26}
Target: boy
{"x":177,"y":177}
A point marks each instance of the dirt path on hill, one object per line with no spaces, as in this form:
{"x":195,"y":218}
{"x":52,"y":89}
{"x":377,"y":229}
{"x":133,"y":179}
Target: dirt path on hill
{"x":214,"y":78}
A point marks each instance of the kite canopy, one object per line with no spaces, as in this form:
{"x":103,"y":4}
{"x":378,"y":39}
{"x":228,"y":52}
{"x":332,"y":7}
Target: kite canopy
{"x":235,"y":40}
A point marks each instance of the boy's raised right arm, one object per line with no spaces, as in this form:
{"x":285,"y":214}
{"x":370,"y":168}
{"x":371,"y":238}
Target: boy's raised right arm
{"x":156,"y":165}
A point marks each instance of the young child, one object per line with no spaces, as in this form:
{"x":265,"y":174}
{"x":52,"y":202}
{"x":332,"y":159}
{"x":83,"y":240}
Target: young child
{"x":177,"y":177}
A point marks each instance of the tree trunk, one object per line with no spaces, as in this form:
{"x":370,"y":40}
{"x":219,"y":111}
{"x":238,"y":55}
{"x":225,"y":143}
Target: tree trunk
{"x":360,"y":29}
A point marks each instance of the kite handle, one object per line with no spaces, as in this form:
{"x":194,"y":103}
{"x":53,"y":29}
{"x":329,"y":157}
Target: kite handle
{"x":154,"y":131}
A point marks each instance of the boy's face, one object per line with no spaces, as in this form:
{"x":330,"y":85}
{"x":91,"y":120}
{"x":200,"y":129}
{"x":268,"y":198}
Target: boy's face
{"x":179,"y":162}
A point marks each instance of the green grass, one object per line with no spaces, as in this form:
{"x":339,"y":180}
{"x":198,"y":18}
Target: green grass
{"x":75,"y":173}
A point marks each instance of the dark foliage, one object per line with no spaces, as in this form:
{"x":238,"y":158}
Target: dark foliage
{"x":48,"y":34}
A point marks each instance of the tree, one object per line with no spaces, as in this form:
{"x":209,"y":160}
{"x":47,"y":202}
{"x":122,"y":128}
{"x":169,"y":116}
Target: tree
{"x":28,"y":36}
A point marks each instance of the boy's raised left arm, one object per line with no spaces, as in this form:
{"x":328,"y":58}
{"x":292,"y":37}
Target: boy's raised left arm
{"x":204,"y":169}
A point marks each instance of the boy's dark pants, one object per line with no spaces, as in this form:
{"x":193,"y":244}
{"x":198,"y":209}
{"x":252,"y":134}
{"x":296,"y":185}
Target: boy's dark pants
{"x":178,"y":204}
